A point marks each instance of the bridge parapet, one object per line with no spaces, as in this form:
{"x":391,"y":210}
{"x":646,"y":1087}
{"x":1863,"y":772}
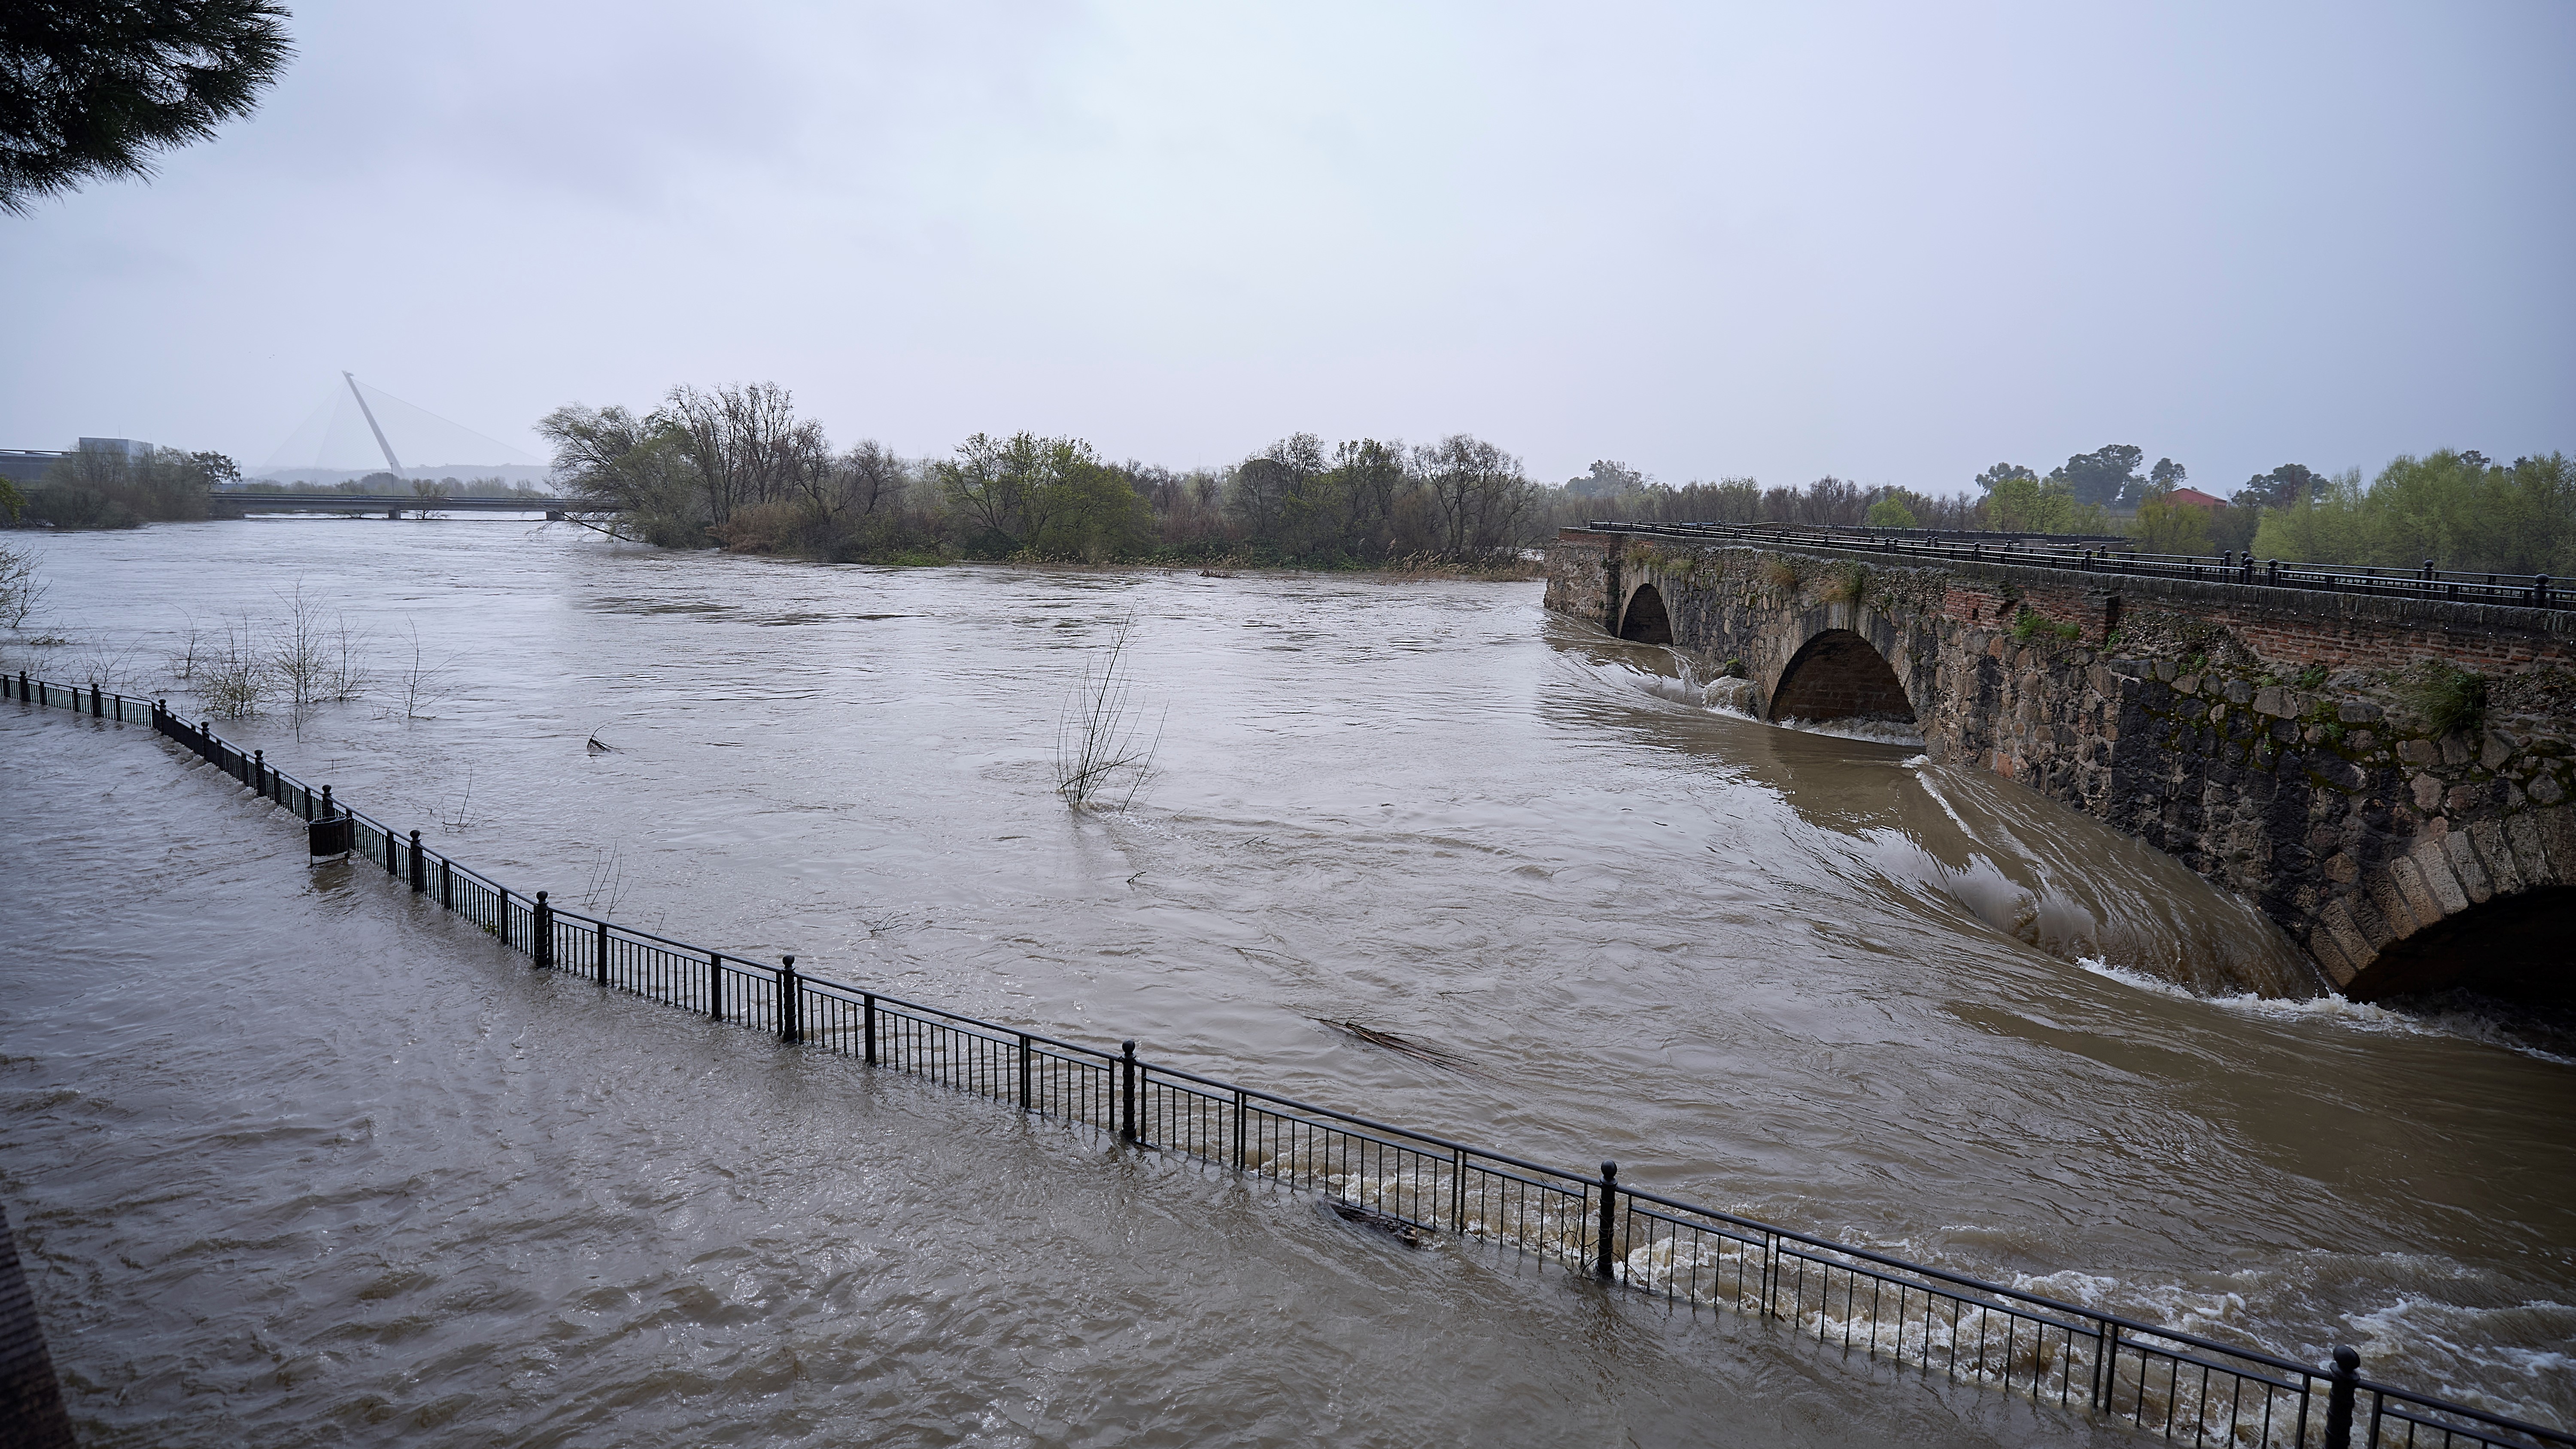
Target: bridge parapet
{"x":2392,"y":779}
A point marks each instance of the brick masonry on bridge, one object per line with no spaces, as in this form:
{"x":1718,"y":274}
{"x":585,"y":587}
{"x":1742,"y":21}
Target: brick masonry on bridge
{"x":2274,"y":740}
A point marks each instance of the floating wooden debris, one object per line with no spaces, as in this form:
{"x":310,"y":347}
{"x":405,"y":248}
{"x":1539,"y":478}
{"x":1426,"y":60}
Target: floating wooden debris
{"x":1446,"y":1061}
{"x":1412,"y":1235}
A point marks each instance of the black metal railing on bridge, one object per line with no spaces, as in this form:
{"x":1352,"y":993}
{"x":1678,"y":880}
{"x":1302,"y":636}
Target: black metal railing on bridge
{"x":2529,"y":591}
{"x":1414,"y":1184}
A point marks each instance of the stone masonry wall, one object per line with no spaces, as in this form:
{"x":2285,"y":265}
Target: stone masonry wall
{"x":2276,"y":741}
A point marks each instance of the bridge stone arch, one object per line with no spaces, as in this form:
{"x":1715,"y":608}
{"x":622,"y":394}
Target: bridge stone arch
{"x":2271,"y":739}
{"x":1840,"y":662}
{"x":2485,"y":909}
{"x":1644,"y":617}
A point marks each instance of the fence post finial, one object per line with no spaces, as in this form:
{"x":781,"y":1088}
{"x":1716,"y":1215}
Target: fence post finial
{"x":2339,"y":1395}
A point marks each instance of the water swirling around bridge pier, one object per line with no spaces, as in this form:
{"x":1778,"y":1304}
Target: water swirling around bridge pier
{"x":1805,"y":976}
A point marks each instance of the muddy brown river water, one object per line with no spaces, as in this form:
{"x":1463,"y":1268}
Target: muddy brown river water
{"x":295,"y":1162}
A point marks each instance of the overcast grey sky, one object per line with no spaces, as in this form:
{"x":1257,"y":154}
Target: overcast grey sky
{"x":1893,"y":243}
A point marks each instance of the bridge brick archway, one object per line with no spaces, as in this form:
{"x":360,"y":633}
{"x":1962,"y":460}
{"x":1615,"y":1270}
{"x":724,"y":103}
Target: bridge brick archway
{"x":1839,"y":673}
{"x":2270,"y":739}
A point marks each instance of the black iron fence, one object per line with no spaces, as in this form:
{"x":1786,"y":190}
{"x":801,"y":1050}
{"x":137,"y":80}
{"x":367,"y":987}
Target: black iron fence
{"x":2529,"y":591}
{"x":1419,"y":1186}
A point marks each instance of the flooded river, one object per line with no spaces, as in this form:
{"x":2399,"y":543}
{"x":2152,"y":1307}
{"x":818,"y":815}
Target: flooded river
{"x":293,"y":1160}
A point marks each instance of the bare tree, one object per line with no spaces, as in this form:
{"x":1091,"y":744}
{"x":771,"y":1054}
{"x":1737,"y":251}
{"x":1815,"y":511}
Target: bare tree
{"x":104,"y":664}
{"x":1099,"y":742}
{"x":1478,"y":493}
{"x":744,"y":440}
{"x":184,"y":659}
{"x":300,"y":656}
{"x":235,"y":673}
{"x":872,"y":477}
{"x":348,"y":676}
{"x":809,"y":474}
{"x":22,"y":588}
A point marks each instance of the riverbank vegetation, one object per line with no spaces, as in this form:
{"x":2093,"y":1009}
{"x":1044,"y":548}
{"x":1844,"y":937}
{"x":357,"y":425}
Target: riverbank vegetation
{"x":2460,"y":510}
{"x":105,"y":488}
{"x":97,"y":488}
{"x":736,"y":468}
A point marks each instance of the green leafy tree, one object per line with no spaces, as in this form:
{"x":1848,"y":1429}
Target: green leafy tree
{"x":2164,"y":526}
{"x":2325,"y":525}
{"x":2165,"y":477}
{"x":109,"y":488}
{"x":1088,"y":510}
{"x":1050,"y":496}
{"x":608,"y":460}
{"x":1890,"y":512}
{"x":2231,"y":529}
{"x":2003,"y":473}
{"x":2104,"y":477}
{"x":2032,"y":505}
{"x":1269,"y":492}
{"x":215,"y":470}
{"x":2280,"y":488}
{"x":94,"y":88}
{"x":1607,"y":479}
{"x":988,"y":484}
{"x":1341,"y":509}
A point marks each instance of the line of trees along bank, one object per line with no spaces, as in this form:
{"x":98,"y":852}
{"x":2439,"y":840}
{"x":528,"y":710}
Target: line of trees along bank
{"x":103,"y":488}
{"x":736,"y":467}
{"x":2458,"y":509}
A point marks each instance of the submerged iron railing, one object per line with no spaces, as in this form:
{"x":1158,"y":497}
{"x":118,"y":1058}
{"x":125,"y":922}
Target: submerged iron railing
{"x":2528,"y":591}
{"x":1416,"y":1185}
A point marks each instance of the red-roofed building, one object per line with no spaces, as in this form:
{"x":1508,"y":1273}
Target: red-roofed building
{"x":2195,"y":498}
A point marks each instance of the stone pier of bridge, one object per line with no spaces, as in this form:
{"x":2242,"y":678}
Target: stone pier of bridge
{"x":2282,"y":743}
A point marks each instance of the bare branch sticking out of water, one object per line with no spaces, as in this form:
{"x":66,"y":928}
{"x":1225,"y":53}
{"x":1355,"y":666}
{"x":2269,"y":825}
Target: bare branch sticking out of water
{"x":106,"y":664}
{"x":190,"y":651}
{"x":233,"y":675}
{"x":315,"y":660}
{"x":462,"y":817}
{"x":421,"y":686}
{"x":1101,"y":753}
{"x":607,"y":884}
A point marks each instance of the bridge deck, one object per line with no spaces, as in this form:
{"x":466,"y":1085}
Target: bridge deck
{"x":385,"y":502}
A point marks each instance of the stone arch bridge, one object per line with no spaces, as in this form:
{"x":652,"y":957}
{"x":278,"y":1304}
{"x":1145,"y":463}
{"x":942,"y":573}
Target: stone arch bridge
{"x":2288,"y":745}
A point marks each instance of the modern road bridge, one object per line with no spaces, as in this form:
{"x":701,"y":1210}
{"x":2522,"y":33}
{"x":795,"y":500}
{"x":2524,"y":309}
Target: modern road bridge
{"x":391,"y":505}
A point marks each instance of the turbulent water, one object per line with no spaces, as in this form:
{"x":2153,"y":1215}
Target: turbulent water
{"x":292,"y":1160}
